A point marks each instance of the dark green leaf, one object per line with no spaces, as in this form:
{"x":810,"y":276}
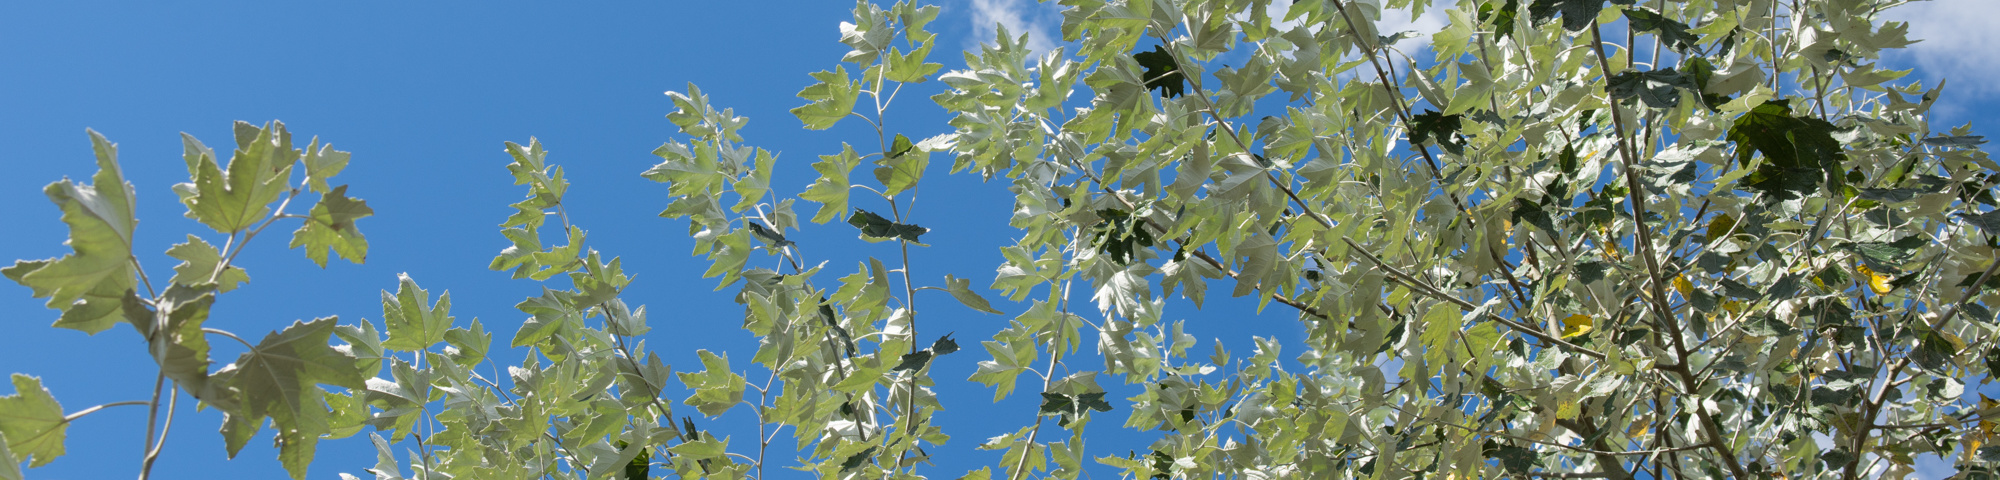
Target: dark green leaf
{"x":1890,"y":195}
{"x":1431,"y":124}
{"x":1888,"y":258}
{"x":1517,"y":460}
{"x":1534,"y":215}
{"x":1836,"y":458}
{"x":1737,"y":289}
{"x":1956,"y":141}
{"x":874,"y":226}
{"x":766,"y":234}
{"x":854,"y":461}
{"x":1933,"y":352}
{"x":1576,"y":14}
{"x":641,"y":467}
{"x":1590,"y":272}
{"x":1162,"y":72}
{"x":914,"y":360}
{"x":899,"y":147}
{"x":1992,"y":359}
{"x":944,"y":345}
{"x":1793,"y":148}
{"x":1988,"y":222}
{"x":1672,"y":32}
{"x":1656,"y":88}
{"x":1501,"y":18}
{"x":1093,"y":401}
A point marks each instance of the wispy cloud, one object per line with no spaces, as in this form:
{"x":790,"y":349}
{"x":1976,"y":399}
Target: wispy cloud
{"x":1020,"y":16}
{"x":1958,"y":38}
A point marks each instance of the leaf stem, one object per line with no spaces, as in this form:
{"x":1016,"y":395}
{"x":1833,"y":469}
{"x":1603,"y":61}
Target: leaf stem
{"x":80,"y":413}
{"x":238,"y":247}
{"x":232,"y":336}
{"x":152,"y":420}
{"x":1404,"y":278}
{"x":173,"y":398}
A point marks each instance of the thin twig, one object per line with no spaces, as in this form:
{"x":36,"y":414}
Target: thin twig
{"x":1427,"y":290}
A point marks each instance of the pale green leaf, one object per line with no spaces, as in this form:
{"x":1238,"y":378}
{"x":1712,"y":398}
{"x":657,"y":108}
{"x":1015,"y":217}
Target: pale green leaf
{"x":962,"y":290}
{"x":330,"y":228}
{"x":198,"y":262}
{"x":10,"y":466}
{"x":88,"y":286}
{"x":716,"y":389}
{"x":830,"y":190}
{"x":279,"y":377}
{"x":234,"y":199}
{"x":323,"y":162}
{"x":832,"y":99}
{"x":412,"y":321}
{"x":32,"y":422}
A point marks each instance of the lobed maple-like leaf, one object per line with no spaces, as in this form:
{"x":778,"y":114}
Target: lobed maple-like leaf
{"x":832,"y":99}
{"x":330,"y":228}
{"x":232,"y":200}
{"x":31,"y":422}
{"x":88,"y":286}
{"x":411,"y":320}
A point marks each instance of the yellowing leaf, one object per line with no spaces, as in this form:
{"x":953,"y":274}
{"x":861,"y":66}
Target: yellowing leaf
{"x":1876,"y":281}
{"x":1957,"y":344}
{"x":1987,"y":426}
{"x":1576,"y":325}
{"x":1719,"y":226}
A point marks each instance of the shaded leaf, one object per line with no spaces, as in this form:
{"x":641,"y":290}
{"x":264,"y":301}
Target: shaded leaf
{"x":1672,"y":33}
{"x":1795,"y":149}
{"x":1162,"y":73}
{"x":1576,"y":14}
{"x":874,"y":227}
{"x":1988,"y":222}
{"x":1434,"y":124}
{"x":1501,"y":18}
{"x":1656,"y":88}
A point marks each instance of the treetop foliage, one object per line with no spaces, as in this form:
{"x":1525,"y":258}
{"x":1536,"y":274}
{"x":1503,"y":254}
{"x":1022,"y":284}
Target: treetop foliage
{"x":1571,"y":238}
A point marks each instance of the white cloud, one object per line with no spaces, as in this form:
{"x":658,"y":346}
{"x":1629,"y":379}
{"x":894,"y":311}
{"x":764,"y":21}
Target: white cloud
{"x":1958,"y":38}
{"x":1398,"y":20}
{"x":1020,"y":16}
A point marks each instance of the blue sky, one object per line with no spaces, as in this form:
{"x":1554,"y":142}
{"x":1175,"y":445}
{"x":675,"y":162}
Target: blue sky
{"x":424,"y":93}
